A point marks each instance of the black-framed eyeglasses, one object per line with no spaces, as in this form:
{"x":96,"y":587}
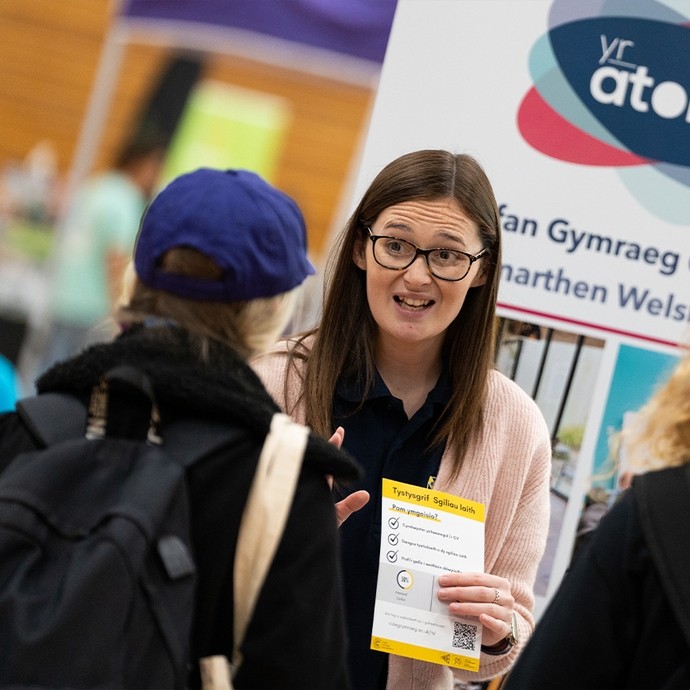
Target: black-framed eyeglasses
{"x":444,"y":264}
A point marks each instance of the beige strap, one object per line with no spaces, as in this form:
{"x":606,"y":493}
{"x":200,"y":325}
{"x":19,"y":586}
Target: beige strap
{"x":263,"y":522}
{"x":215,"y":673}
{"x":264,"y":517}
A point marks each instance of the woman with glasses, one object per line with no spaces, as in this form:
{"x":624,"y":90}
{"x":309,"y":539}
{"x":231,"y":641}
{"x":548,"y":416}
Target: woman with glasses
{"x":400,"y":371}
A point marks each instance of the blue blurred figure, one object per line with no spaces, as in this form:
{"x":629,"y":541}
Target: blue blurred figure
{"x":8,"y":385}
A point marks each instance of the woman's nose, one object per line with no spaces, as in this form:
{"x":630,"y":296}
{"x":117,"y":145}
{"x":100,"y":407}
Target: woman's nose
{"x":417,"y":271}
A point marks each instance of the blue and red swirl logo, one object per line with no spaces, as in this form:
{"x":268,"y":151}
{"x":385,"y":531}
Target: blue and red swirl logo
{"x":613,"y":89}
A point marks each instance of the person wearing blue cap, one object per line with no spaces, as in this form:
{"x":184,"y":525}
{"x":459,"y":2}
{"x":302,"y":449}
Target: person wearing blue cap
{"x":218,"y":260}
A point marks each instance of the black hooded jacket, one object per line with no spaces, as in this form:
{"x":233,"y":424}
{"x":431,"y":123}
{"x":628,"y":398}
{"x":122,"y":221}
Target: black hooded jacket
{"x":296,"y":638}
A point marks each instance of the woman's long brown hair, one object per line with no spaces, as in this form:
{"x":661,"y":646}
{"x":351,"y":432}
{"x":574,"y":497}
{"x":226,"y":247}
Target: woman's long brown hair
{"x":344,"y":339}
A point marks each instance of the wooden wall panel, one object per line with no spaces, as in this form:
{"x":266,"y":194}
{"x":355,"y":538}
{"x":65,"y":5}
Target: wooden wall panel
{"x":49,"y":55}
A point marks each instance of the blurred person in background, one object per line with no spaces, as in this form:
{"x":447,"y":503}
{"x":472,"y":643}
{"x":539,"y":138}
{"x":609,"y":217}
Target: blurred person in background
{"x":98,"y":236}
{"x":8,"y":385}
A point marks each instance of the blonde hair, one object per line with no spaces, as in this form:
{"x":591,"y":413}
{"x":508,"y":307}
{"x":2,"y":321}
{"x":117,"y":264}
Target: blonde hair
{"x":251,"y":327}
{"x":662,"y":437}
{"x":129,"y":279}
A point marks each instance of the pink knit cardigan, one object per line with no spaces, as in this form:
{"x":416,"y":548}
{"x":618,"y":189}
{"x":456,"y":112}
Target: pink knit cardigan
{"x":508,"y":470}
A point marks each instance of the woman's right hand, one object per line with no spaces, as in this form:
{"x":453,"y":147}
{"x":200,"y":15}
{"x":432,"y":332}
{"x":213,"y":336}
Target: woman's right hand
{"x":357,"y":499}
{"x":350,"y":504}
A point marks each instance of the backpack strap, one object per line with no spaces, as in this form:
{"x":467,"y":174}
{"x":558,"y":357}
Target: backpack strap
{"x":54,"y":417}
{"x":662,"y":500}
{"x":265,"y":515}
{"x":263,"y":524}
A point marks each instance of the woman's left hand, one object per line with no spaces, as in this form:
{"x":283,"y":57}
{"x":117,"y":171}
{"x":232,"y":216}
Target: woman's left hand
{"x":484,"y":596}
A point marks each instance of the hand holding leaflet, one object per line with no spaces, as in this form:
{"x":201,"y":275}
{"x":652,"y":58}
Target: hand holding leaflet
{"x":484,"y":596}
{"x":427,"y":534}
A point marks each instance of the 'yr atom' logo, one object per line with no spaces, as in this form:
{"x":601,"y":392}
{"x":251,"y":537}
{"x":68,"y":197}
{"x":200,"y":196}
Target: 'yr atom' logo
{"x":615,"y":91}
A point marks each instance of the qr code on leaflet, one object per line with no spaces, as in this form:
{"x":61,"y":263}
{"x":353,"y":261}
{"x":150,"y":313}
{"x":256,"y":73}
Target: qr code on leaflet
{"x":464,"y":635}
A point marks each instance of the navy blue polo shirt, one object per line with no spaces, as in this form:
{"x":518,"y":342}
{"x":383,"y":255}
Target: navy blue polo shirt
{"x":386,"y":444}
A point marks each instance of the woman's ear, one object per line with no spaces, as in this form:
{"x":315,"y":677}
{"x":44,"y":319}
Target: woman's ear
{"x":480,"y":277}
{"x":359,"y":253}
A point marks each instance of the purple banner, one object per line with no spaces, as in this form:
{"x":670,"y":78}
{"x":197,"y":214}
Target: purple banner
{"x":359,"y":28}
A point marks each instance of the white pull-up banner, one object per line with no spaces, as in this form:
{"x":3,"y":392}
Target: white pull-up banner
{"x":580,"y":114}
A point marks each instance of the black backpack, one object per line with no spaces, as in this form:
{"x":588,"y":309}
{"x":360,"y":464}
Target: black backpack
{"x":96,"y":570}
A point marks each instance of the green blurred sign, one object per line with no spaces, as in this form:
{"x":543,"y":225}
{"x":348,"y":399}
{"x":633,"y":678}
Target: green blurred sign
{"x":225,"y":126}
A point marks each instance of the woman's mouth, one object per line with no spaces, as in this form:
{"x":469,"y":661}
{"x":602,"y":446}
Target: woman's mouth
{"x":414,"y":304}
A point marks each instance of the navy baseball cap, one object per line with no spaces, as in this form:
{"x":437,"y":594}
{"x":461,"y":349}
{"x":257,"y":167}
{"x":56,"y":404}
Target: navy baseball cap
{"x":254,"y":233}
